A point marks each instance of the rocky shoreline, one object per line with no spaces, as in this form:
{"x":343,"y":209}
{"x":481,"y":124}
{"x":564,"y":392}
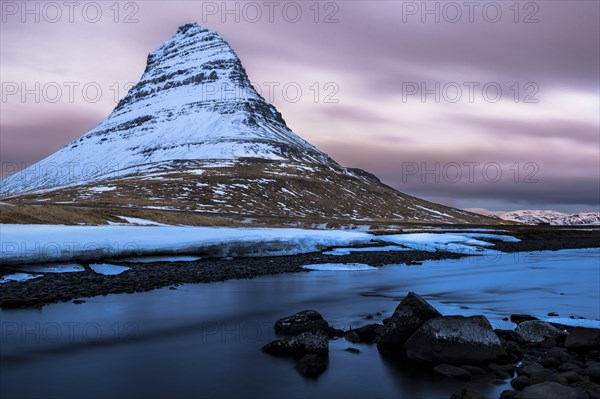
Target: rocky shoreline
{"x":60,"y":287}
{"x":542,"y":360}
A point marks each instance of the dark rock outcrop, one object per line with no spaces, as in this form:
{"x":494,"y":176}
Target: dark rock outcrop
{"x":455,"y":340}
{"x":306,"y":320}
{"x":536,"y":332}
{"x":309,"y":342}
{"x":409,"y":315}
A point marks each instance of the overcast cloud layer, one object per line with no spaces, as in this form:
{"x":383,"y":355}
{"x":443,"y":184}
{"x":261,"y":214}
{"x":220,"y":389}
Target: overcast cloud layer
{"x":361,"y":68}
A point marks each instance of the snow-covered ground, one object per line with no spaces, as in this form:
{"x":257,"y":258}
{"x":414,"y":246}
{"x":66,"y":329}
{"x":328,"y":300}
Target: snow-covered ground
{"x":54,"y":268}
{"x":18,"y":277}
{"x":107,"y":268}
{"x":57,"y":243}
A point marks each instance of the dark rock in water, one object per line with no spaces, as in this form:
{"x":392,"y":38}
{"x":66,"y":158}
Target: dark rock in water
{"x":540,"y":333}
{"x":413,"y":263}
{"x":508,"y":394}
{"x":366,"y":334}
{"x":519,"y":318}
{"x":306,"y":320}
{"x":466,"y":393}
{"x":581,"y":338}
{"x":553,"y":314}
{"x":455,"y":340}
{"x":352,"y":336}
{"x":447,"y":370}
{"x":352,"y":350}
{"x":409,"y":315}
{"x":311,"y":365}
{"x":308,"y":342}
{"x":551,"y":390}
{"x":520,"y":382}
{"x":474,"y":370}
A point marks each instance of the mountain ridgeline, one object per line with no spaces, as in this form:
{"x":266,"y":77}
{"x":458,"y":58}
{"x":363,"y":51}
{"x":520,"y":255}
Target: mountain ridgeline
{"x":174,"y":142}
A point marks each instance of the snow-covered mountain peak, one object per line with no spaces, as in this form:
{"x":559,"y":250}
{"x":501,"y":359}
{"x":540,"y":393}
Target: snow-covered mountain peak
{"x":194,"y":102}
{"x":552,"y":217}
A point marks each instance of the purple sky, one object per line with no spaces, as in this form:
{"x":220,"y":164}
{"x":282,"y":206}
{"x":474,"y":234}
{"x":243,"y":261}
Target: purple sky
{"x":369,"y":63}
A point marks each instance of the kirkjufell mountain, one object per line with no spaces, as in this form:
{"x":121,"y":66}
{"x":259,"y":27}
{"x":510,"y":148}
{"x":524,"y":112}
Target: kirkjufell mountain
{"x":175,"y":143}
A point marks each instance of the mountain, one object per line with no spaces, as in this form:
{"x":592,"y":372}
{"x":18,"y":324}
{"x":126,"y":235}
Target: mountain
{"x":552,"y":217}
{"x":194,"y":135}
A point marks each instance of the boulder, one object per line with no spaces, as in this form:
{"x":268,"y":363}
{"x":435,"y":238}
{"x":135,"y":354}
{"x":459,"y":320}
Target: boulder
{"x":539,"y":333}
{"x":571,"y":377}
{"x":456,"y":340}
{"x":474,"y":370}
{"x":466,"y":393}
{"x":306,"y":320}
{"x":550,"y":390}
{"x":352,"y":336}
{"x":530,"y":368}
{"x":594,"y":373}
{"x":311,"y":365}
{"x":305,"y":343}
{"x":593,"y":390}
{"x":520,"y":382}
{"x":545,"y":376}
{"x":409,"y":315}
{"x":367,"y":333}
{"x":448,"y":370}
{"x":585,"y":339}
{"x":508,"y":394}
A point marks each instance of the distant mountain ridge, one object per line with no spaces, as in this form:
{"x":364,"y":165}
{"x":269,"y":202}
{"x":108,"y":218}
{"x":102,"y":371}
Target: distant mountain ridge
{"x":552,"y":217}
{"x":175,"y":143}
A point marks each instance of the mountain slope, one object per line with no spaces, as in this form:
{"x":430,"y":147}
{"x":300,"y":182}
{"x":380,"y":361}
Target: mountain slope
{"x":552,"y":217}
{"x":193,"y":135}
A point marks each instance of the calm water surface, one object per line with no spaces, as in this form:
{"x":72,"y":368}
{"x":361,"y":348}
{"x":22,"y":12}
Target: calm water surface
{"x":204,"y":340}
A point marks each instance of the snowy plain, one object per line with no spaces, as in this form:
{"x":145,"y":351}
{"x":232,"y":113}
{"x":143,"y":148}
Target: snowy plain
{"x":58,"y":243}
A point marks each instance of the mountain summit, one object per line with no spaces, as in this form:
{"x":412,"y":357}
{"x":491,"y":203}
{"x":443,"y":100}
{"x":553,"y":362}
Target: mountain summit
{"x":193,"y":102}
{"x":194,"y":135}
